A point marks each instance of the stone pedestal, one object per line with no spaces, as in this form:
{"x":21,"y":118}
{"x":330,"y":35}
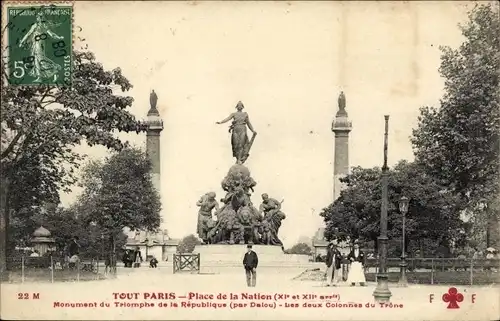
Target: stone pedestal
{"x":216,"y":258}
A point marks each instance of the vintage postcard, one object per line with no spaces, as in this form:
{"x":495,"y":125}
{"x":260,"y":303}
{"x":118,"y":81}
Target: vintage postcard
{"x":250,"y":160}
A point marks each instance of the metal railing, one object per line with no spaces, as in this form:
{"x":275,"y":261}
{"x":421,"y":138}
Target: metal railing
{"x":441,"y":270}
{"x":58,"y":269}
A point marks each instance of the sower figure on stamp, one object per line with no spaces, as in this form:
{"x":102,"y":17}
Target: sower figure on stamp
{"x":250,"y":262}
{"x":333,"y":265}
{"x":238,"y":129}
{"x":356,"y":272}
{"x":42,"y":66}
{"x":205,"y":222}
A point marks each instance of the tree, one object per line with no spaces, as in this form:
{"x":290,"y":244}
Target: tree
{"x":300,"y":248}
{"x":459,"y":142}
{"x":188,"y":243}
{"x":119,"y":193}
{"x":356,"y":213}
{"x":41,"y":124}
{"x":65,"y":223}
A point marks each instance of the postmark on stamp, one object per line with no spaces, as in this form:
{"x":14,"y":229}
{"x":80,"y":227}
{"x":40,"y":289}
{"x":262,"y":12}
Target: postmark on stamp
{"x":39,"y":44}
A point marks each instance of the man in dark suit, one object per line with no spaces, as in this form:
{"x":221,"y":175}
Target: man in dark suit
{"x":74,"y":247}
{"x":333,"y":265}
{"x":250,"y":262}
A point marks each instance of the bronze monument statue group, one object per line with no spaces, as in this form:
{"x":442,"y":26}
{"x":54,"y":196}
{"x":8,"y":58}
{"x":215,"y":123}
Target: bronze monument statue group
{"x":238,"y":220}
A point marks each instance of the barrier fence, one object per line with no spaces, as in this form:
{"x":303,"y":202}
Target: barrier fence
{"x":439,"y":270}
{"x":56,"y":269}
{"x":189,"y":262}
{"x":419,"y":270}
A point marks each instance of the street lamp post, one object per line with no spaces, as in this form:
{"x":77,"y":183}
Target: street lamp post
{"x":102,"y":250}
{"x":403,"y":208}
{"x":382,"y":292}
{"x":146,"y":242}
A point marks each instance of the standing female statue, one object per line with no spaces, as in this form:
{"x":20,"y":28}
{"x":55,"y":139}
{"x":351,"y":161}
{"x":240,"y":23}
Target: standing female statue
{"x":238,"y":129}
{"x":153,"y":99}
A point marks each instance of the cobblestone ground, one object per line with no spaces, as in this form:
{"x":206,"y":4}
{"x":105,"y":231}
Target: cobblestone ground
{"x":415,"y":300}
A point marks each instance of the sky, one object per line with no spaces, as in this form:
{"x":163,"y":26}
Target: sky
{"x":287,"y":62}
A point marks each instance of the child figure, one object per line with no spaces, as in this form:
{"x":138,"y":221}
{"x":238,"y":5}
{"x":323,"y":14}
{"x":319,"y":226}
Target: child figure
{"x":153,"y":263}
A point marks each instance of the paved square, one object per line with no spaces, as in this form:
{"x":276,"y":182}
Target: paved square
{"x":323,"y":303}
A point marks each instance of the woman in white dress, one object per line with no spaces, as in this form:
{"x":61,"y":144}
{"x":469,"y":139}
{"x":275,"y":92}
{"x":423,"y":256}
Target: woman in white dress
{"x":356,"y":271}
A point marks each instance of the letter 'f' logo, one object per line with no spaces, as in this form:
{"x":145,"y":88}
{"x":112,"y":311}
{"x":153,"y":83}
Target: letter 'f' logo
{"x":452,"y":297}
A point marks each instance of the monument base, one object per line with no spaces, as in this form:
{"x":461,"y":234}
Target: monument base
{"x":215,"y":258}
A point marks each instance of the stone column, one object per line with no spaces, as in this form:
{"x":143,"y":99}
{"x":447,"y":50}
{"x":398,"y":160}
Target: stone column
{"x":155,"y":127}
{"x":153,"y":152}
{"x":341,"y":126}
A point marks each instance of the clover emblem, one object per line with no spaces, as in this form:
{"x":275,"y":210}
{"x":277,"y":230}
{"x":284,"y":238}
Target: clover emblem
{"x":452,"y":298}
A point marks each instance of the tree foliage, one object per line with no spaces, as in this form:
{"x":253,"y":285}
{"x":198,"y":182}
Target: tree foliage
{"x":300,"y":248}
{"x":458,"y":142}
{"x":65,"y":223}
{"x":119,"y":193}
{"x":188,"y":243}
{"x":432,"y":211}
{"x":40,"y":125}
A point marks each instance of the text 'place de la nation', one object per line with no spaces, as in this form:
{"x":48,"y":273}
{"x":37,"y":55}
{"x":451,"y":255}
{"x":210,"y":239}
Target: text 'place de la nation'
{"x":272,"y":160}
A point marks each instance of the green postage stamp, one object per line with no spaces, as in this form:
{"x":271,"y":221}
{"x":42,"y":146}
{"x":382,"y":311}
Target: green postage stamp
{"x":40,"y":44}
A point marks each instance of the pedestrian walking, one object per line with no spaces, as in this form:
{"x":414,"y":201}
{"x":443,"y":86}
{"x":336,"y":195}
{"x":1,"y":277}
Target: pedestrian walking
{"x":333,"y":265}
{"x":250,"y":262}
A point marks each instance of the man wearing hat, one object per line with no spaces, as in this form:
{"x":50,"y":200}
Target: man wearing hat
{"x":333,"y":264}
{"x":356,"y":271}
{"x":250,"y":262}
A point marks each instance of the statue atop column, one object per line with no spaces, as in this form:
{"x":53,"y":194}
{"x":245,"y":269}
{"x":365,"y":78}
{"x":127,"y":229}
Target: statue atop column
{"x":342,"y":103}
{"x":153,"y":99}
{"x":239,"y":139}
